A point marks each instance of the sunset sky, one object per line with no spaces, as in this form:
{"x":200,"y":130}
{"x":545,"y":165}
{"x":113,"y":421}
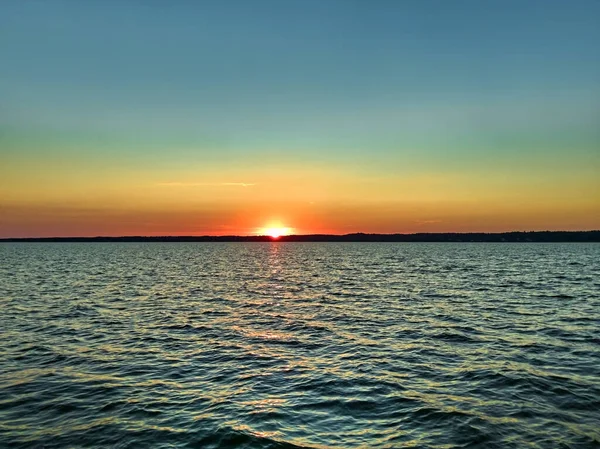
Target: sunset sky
{"x":322,"y":116}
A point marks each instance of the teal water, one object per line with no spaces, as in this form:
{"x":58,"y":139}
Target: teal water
{"x":284,"y":345}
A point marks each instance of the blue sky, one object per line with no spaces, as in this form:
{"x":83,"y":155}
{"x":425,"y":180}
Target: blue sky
{"x":263,"y":73}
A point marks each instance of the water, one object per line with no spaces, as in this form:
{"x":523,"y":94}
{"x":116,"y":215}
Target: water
{"x":291,"y":345}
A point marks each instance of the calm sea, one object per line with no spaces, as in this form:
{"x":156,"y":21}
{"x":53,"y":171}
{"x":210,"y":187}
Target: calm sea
{"x":299,"y":345}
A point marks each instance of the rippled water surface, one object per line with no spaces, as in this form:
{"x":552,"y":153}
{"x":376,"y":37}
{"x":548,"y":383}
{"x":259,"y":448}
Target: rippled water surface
{"x":283,"y":345}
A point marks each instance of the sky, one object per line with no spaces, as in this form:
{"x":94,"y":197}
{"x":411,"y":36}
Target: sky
{"x":228,"y":117}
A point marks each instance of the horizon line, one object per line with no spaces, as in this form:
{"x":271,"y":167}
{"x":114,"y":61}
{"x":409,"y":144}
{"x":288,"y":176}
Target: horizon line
{"x":553,"y":235}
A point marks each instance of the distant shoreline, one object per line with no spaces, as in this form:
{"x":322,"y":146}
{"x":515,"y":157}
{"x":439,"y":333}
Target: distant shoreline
{"x":527,"y":236}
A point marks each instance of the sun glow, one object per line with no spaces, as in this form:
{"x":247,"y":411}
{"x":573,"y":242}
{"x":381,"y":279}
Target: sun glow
{"x":275,"y":231}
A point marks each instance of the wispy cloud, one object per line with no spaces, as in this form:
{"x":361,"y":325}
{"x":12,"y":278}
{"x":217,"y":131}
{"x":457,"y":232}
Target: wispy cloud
{"x":425,"y":222}
{"x":206,"y":184}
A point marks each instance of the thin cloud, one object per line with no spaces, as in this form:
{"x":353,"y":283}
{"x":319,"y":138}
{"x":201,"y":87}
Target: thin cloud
{"x":206,"y":184}
{"x":424,"y":222}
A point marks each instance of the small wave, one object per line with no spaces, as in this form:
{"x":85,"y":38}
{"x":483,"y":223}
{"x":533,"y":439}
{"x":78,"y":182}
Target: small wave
{"x":454,"y":337}
{"x":230,"y":438}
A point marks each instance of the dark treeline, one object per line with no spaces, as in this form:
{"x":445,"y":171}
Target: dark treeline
{"x":533,"y":236}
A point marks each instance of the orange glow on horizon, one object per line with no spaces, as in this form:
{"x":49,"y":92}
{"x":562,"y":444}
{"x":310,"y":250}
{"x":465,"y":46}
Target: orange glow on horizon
{"x":289,"y":200}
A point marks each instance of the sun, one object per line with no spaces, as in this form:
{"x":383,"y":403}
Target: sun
{"x":275,"y":231}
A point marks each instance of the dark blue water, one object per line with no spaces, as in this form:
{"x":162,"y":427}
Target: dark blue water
{"x":289,"y":345}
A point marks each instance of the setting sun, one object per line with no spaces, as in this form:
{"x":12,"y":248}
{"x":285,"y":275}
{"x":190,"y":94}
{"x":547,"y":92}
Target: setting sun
{"x":275,"y":232}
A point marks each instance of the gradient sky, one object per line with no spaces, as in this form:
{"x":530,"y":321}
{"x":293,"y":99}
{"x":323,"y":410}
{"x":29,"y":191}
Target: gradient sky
{"x":223,"y":117}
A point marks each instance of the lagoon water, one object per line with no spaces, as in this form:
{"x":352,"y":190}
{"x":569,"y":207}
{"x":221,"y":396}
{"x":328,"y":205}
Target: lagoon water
{"x":299,"y":345}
